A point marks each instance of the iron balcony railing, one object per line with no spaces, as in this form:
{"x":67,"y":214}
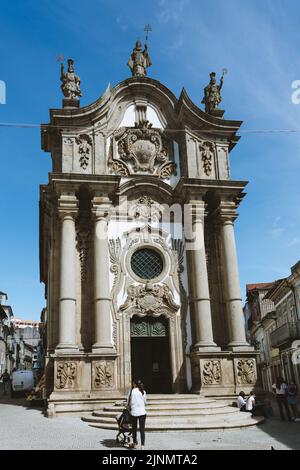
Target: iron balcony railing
{"x":286,"y":332}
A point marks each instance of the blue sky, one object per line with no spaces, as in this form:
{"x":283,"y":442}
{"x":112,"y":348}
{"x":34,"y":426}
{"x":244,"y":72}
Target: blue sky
{"x":257,"y":41}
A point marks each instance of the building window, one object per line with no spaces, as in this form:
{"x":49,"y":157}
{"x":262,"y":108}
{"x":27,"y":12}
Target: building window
{"x":147,"y":263}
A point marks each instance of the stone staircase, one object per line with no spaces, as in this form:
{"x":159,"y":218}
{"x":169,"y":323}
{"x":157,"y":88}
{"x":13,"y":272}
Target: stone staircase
{"x":178,"y":412}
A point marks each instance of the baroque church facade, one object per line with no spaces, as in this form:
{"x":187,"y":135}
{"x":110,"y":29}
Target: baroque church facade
{"x":137,"y":246}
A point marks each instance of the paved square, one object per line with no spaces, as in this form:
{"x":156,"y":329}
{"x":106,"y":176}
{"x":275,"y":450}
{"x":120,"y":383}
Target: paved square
{"x":24,"y":427}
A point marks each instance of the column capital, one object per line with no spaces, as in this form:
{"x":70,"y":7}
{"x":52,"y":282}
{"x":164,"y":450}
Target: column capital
{"x":67,"y":206}
{"x":226,"y":212}
{"x":196,"y":208}
{"x":101,"y":207}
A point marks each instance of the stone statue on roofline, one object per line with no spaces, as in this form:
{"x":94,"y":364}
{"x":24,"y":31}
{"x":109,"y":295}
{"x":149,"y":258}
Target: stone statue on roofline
{"x":70,"y":82}
{"x":139,"y":60}
{"x":212,"y":95}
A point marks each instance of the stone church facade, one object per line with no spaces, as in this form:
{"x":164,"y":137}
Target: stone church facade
{"x":138,"y":251}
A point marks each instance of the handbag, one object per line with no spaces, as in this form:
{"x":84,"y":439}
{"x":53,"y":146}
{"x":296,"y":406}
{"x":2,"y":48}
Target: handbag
{"x":126,"y":412}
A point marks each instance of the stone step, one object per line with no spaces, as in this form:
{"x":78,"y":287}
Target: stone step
{"x":152,"y":400}
{"x":172,"y":407}
{"x":183,"y":412}
{"x":167,"y":417}
{"x":177,"y":412}
{"x":204,"y":425}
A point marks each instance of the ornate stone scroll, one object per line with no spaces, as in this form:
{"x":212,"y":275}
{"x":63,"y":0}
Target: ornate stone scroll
{"x":114,"y":246}
{"x":211,"y":372}
{"x":66,"y":374}
{"x":246,"y":372}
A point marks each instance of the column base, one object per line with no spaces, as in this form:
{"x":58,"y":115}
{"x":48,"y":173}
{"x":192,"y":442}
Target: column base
{"x":235,"y":346}
{"x":204,"y":346}
{"x":103,"y":349}
{"x":66,"y":348}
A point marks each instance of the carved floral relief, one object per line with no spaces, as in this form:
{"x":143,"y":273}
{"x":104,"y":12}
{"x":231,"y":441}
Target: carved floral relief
{"x":207,"y":153}
{"x":246,"y":371}
{"x":103,"y":374}
{"x":84,"y":142}
{"x":211,"y":372}
{"x":66,"y":374}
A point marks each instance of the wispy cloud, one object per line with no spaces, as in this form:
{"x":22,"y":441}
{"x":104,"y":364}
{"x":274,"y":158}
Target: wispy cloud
{"x":122,"y":25}
{"x":295,"y":241}
{"x":171,"y":11}
{"x":276,"y":232}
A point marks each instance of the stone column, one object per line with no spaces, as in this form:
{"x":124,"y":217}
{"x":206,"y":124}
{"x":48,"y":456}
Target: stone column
{"x":67,"y":301}
{"x":235,"y":316}
{"x":200,"y":287}
{"x":102,"y":298}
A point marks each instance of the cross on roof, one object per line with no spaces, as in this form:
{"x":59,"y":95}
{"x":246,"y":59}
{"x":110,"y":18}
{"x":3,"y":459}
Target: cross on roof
{"x":147,"y":29}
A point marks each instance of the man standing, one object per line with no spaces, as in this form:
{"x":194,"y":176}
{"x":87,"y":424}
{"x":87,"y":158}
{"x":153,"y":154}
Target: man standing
{"x":6,"y":381}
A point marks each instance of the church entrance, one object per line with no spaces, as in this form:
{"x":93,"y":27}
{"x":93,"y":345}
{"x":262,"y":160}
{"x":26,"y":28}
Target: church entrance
{"x":150,"y":353}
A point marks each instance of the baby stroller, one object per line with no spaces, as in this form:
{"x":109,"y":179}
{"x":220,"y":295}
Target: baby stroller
{"x":125,"y":427}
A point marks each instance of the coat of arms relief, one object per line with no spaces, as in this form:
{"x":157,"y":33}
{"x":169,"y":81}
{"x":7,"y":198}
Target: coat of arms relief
{"x":142,"y":150}
{"x":155,"y":299}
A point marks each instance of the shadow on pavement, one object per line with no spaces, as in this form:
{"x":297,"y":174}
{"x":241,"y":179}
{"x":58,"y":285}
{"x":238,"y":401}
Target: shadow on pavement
{"x":285,"y":432}
{"x":110,"y":443}
{"x":20,"y":401}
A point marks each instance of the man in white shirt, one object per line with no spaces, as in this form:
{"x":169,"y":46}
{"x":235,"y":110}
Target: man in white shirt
{"x":250,"y":402}
{"x":241,"y":402}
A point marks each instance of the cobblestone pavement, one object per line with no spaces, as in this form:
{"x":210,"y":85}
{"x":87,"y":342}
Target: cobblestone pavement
{"x":27,"y":428}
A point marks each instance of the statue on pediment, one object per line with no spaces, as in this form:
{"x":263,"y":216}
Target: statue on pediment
{"x":70,"y":81}
{"x":139,"y":60}
{"x":212,"y":93}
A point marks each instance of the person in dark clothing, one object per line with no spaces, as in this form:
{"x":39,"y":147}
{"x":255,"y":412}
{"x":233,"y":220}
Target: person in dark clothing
{"x":280,"y":390}
{"x":6,"y":381}
{"x":292,"y":394}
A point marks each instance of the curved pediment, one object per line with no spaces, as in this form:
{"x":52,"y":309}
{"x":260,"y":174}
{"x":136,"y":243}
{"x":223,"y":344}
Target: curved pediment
{"x":139,"y":127}
{"x":149,"y":92}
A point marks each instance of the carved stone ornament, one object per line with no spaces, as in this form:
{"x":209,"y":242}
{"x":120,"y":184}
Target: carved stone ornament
{"x":84,"y":142}
{"x":66,"y":374}
{"x":103,"y":374}
{"x":211,"y":372}
{"x":142,"y":149}
{"x":207,"y":153}
{"x":114,"y":254}
{"x":83,"y":233}
{"x":246,"y":373}
{"x":155,"y":299}
{"x":145,"y":209}
{"x":118,"y":167}
{"x":149,"y":327}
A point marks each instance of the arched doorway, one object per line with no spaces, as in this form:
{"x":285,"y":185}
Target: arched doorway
{"x":150,"y":353}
